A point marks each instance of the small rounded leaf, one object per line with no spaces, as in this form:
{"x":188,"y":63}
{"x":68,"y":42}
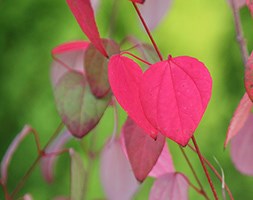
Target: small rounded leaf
{"x":96,"y":67}
{"x":78,"y":108}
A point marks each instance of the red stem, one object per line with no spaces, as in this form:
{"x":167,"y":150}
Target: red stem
{"x":34,"y":164}
{"x":5,"y":190}
{"x":204,"y":167}
{"x":215,"y":172}
{"x":144,"y":61}
{"x":202,"y":191}
{"x":148,"y":31}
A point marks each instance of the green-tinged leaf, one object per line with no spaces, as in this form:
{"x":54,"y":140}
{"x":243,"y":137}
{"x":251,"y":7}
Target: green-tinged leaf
{"x":96,"y":65}
{"x":78,"y":108}
{"x":77,"y":176}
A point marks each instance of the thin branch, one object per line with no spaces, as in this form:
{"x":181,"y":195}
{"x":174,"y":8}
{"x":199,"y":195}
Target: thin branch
{"x":202,"y":191}
{"x":239,"y":33}
{"x":148,"y":31}
{"x":215,"y":172}
{"x":34,"y":164}
{"x":204,"y":167}
{"x":138,"y":58}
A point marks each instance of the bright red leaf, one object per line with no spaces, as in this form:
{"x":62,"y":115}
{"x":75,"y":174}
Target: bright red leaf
{"x":248,"y":77}
{"x":68,"y":57}
{"x":250,"y":6}
{"x":174,"y":95}
{"x":143,"y":151}
{"x":116,"y":174}
{"x":239,"y":118}
{"x":83,"y":12}
{"x":158,"y":8}
{"x":96,"y":67}
{"x":124,"y":77}
{"x":172,"y":186}
{"x":242,"y":148}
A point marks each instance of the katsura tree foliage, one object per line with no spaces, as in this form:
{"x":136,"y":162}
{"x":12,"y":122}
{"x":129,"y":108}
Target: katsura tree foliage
{"x":164,"y":97}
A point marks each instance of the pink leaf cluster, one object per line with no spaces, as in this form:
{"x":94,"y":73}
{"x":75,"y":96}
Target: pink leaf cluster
{"x":169,"y":98}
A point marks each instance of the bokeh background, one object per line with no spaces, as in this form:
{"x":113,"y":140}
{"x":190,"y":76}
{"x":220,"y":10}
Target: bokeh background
{"x":30,"y":29}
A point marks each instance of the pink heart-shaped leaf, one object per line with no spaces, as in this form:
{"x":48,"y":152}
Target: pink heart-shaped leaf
{"x":142,"y":150}
{"x":124,"y":77}
{"x":83,"y":12}
{"x":172,"y":186}
{"x":242,"y":148}
{"x":96,"y":67}
{"x":68,"y":57}
{"x":158,"y":10}
{"x":248,"y":77}
{"x":239,"y":118}
{"x":116,"y":174}
{"x":174,"y":95}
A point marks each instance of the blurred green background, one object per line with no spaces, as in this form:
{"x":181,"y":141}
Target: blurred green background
{"x":30,"y":29}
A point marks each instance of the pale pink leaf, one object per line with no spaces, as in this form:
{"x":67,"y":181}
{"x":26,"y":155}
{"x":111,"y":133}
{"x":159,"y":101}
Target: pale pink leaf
{"x":164,"y":163}
{"x":83,"y":12}
{"x":239,"y":118}
{"x":142,"y":150}
{"x":165,"y":90}
{"x":47,"y":162}
{"x":11,"y":150}
{"x":78,"y":176}
{"x":95,"y":4}
{"x":124,"y":77}
{"x":153,"y":11}
{"x":250,"y":6}
{"x":242,"y":148}
{"x":172,"y":186}
{"x":248,"y":77}
{"x":68,"y":57}
{"x":116,"y":174}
